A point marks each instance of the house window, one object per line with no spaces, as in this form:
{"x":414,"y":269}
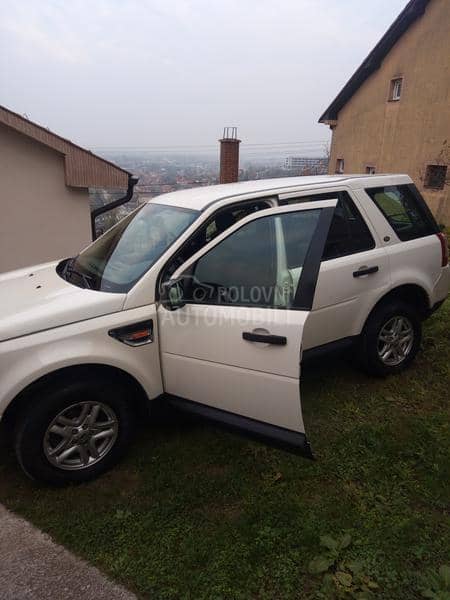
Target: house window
{"x":340,"y":165}
{"x":370,"y":170}
{"x":396,"y":89}
{"x":435,"y":176}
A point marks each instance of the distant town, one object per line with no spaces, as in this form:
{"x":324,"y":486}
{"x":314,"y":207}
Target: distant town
{"x":172,"y":172}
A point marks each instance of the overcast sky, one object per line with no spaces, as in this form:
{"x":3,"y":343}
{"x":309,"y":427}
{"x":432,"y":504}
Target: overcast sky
{"x":120,"y":73}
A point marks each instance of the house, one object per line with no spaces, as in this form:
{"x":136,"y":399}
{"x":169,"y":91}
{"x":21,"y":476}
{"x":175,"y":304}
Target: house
{"x":44,"y":193}
{"x":393,"y":115}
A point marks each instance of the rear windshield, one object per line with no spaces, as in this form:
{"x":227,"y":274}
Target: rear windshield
{"x":405,"y":209}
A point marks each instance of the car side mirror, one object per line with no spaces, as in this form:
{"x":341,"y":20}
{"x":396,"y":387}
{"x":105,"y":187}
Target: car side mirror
{"x":173,"y":294}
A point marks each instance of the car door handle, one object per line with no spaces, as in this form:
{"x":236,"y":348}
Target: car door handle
{"x":365,"y":271}
{"x":278,"y":340}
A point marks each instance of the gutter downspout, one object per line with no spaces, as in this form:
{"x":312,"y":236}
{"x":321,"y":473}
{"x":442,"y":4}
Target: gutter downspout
{"x":132,"y":181}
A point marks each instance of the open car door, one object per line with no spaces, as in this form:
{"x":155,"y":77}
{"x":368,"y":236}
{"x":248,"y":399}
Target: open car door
{"x":231,"y":322}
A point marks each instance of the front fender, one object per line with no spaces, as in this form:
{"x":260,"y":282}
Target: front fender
{"x":28,"y":358}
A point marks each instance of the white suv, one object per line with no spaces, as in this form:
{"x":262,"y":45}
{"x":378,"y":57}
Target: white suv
{"x":207,"y":298}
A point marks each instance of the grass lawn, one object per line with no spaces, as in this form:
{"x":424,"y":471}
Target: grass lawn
{"x":194,"y":512}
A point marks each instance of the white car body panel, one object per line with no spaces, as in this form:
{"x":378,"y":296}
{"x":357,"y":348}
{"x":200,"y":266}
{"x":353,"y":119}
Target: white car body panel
{"x":442,"y":286}
{"x":341,"y":300}
{"x":28,"y":358}
{"x":205,"y":359}
{"x":416,"y":261}
{"x":204,"y":197}
{"x":37,"y":298}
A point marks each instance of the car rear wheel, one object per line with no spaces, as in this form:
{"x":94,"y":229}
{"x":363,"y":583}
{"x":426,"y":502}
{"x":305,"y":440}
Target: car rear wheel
{"x":71,"y":432}
{"x":390,"y":339}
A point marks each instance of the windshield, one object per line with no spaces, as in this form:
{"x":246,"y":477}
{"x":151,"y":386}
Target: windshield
{"x":116,"y":261}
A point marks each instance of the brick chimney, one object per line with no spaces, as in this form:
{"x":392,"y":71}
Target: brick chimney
{"x":229,"y":155}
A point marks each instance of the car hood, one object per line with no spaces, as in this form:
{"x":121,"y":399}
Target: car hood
{"x":37,"y":298}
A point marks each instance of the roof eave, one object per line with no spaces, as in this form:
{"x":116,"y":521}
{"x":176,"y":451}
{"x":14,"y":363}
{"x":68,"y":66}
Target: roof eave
{"x":82,"y":167}
{"x":412,"y":11}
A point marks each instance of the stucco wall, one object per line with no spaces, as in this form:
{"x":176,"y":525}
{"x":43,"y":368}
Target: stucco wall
{"x":41,"y":219}
{"x":403,"y":136}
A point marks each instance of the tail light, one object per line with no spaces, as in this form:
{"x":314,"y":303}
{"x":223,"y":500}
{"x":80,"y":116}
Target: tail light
{"x":444,"y":247}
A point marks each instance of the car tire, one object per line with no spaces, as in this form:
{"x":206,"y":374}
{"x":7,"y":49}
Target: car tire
{"x":73,"y":431}
{"x":390,"y":339}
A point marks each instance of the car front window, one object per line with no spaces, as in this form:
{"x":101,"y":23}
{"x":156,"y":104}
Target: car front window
{"x":118,"y":259}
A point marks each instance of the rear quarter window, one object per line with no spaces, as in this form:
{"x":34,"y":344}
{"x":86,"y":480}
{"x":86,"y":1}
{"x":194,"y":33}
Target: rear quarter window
{"x":405,"y":210}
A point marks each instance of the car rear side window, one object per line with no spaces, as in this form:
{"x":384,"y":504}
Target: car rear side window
{"x":405,"y":210}
{"x":348,"y":233}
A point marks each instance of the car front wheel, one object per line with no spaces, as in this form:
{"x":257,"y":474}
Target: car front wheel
{"x":390,"y":339}
{"x":73,"y":431}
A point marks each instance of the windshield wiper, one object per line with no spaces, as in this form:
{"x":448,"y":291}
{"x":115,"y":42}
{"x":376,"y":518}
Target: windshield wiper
{"x":69,"y":269}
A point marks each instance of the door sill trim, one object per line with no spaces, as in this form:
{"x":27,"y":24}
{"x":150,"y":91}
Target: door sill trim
{"x":328,"y":348}
{"x":279,"y":437}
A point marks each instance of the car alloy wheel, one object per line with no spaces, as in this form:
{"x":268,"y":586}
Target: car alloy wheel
{"x":395,"y":341}
{"x":81,"y":435}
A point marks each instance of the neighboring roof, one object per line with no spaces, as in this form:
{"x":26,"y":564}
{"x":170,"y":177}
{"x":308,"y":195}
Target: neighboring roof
{"x":82,"y":168}
{"x":201,"y":197}
{"x":412,"y":11}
